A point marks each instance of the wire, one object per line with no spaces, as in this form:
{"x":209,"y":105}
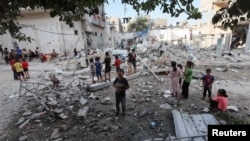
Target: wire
{"x":45,"y":30}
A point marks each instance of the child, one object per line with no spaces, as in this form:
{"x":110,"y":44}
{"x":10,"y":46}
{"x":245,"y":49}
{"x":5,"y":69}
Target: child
{"x":179,"y":66}
{"x":19,"y":69}
{"x":134,"y":60}
{"x":121,"y":85}
{"x":25,"y":68}
{"x":43,"y":57}
{"x":12,"y":62}
{"x":130,"y":57}
{"x":117,"y":63}
{"x":220,"y":102}
{"x":92,"y":69}
{"x":174,"y":76}
{"x":98,"y":69}
{"x":207,"y":81}
{"x":107,"y":62}
{"x":188,"y":74}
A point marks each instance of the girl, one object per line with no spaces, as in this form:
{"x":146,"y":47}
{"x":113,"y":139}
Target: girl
{"x":188,"y":74}
{"x":174,"y":76}
{"x":220,"y":102}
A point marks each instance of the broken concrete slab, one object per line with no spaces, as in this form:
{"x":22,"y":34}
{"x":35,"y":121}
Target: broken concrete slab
{"x":97,"y":86}
{"x":83,"y":112}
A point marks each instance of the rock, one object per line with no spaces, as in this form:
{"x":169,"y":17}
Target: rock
{"x":27,"y":113}
{"x":58,"y":110}
{"x":55,"y":134}
{"x":83,"y":112}
{"x":205,"y":109}
{"x":92,"y":96}
{"x":165,"y":106}
{"x":20,"y":121}
{"x":23,"y":138}
{"x":233,"y":108}
{"x":83,"y":101}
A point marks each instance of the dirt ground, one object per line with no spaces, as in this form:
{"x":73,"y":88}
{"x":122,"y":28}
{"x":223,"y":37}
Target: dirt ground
{"x":144,"y":98}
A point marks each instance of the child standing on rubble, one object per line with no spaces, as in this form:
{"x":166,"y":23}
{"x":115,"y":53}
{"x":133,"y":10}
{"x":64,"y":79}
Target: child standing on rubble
{"x":121,"y":85}
{"x":179,"y":66}
{"x":174,"y":76}
{"x":117,"y":63}
{"x":98,"y":69}
{"x":207,"y":81}
{"x":188,"y":74}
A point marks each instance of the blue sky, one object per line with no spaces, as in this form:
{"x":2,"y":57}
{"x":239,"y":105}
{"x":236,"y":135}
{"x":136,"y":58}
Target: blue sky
{"x":116,"y":8}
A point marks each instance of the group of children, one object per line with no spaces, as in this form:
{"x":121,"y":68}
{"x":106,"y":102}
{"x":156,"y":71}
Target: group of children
{"x":219,"y":102}
{"x":176,"y":75}
{"x":20,"y":68}
{"x":96,"y":67}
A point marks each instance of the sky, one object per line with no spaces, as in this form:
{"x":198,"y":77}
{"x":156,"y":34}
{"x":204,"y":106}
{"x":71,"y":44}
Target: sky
{"x":116,"y":9}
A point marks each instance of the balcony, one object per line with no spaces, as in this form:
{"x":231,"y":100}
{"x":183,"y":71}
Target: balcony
{"x":97,"y":21}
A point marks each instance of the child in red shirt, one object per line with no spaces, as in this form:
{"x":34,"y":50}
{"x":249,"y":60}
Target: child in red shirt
{"x":117,"y":63}
{"x":25,"y":68}
{"x":219,"y":102}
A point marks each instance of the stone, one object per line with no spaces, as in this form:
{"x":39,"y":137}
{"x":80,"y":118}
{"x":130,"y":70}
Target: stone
{"x":20,"y":121}
{"x":23,"y":138}
{"x":83,"y":101}
{"x":83,"y":112}
{"x":55,"y":134}
{"x":58,"y":110}
{"x":27,"y":113}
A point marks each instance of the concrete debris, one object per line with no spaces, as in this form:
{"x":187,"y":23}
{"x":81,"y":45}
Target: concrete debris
{"x":55,"y":134}
{"x":165,"y":106}
{"x":23,"y":138}
{"x":27,"y":113}
{"x":20,"y":120}
{"x":69,"y":100}
{"x":106,"y":101}
{"x":232,"y":108}
{"x":205,"y":109}
{"x":83,"y":101}
{"x":58,"y":110}
{"x":221,"y":69}
{"x":83,"y":112}
{"x":24,"y":123}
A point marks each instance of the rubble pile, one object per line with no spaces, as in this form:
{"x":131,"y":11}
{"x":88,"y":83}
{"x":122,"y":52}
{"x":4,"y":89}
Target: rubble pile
{"x":72,"y":112}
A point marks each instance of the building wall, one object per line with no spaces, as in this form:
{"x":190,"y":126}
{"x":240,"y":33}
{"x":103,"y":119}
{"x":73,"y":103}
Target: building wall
{"x":47,"y":34}
{"x":116,"y":22}
{"x":160,"y":22}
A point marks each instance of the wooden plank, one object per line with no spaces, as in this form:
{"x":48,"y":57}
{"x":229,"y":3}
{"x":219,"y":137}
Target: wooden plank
{"x":199,"y":124}
{"x":209,"y":119}
{"x":190,"y":127}
{"x":180,"y":130}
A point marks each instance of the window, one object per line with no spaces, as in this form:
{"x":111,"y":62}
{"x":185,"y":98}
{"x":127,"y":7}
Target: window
{"x":101,"y":34}
{"x":95,"y":33}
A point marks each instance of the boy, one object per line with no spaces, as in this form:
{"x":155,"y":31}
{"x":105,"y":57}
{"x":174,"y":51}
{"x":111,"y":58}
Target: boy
{"x":25,"y":68}
{"x":19,"y":69}
{"x":117,"y":63}
{"x":207,"y":81}
{"x":98,"y":69}
{"x":121,"y":85}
